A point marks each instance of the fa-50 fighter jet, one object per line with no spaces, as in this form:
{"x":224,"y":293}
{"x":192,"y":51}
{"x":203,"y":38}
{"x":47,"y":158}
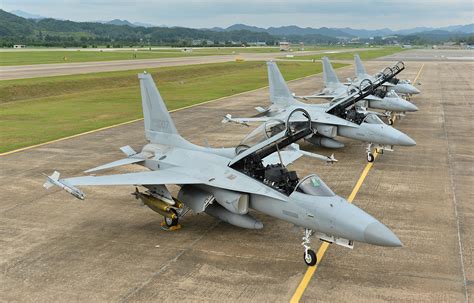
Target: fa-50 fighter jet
{"x":389,"y":101}
{"x":338,"y":118}
{"x":228,"y":182}
{"x":402,"y":87}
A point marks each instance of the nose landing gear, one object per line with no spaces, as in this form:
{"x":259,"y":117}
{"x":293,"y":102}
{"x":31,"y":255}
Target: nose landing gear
{"x":309,"y":255}
{"x":370,"y":155}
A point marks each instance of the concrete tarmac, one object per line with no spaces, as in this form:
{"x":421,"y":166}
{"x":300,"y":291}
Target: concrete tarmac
{"x":108,"y":248}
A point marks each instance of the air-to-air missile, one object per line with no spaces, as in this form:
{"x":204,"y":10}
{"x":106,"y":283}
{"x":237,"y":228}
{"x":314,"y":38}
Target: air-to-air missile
{"x":54,"y":180}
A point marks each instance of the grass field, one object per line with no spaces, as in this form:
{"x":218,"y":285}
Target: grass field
{"x":42,"y":109}
{"x":364,"y":54}
{"x":44,"y":56}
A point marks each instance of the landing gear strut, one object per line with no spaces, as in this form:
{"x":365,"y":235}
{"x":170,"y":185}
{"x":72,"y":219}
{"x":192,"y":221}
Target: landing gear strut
{"x":370,"y":155}
{"x":388,"y":115}
{"x":309,"y":255}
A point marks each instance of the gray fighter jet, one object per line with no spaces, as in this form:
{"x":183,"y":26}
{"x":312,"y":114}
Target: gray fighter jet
{"x":388,"y":101}
{"x":227,"y":183}
{"x":402,"y":87}
{"x":338,"y":118}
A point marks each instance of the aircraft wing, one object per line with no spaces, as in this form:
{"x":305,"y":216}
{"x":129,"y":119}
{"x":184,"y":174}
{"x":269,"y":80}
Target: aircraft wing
{"x":116,"y":163}
{"x":293,"y":153}
{"x":226,"y":179}
{"x":245,"y":121}
{"x":166,"y":176}
{"x":317,"y":97}
{"x":287,"y":157}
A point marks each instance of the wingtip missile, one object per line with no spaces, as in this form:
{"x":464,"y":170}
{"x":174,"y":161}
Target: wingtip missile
{"x":228,"y":118}
{"x":54,"y":180}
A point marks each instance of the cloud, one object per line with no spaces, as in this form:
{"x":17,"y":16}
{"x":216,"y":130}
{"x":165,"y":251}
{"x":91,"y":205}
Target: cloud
{"x":395,"y":14}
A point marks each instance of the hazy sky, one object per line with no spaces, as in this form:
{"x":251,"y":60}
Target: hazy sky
{"x":370,"y":14}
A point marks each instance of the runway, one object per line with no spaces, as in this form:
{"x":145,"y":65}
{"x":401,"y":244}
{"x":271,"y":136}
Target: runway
{"x":108,"y":248}
{"x":460,"y":55}
{"x":61,"y":69}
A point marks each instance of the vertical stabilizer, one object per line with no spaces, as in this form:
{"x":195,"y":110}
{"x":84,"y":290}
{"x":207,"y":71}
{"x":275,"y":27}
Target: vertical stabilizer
{"x":329,"y":75}
{"x":280,"y":94}
{"x":159,"y":128}
{"x":359,"y":67}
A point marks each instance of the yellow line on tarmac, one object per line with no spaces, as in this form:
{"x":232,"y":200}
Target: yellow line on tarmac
{"x":419,"y":73}
{"x":324,"y":246}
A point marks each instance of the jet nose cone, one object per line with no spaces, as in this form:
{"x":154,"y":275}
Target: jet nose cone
{"x":378,"y":234}
{"x":404,"y":140}
{"x":409,"y":107}
{"x":414,"y":90}
{"x":412,"y":107}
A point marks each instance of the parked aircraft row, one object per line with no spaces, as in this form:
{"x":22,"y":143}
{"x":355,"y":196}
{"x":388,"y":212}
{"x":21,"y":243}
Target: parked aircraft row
{"x":347,"y":114}
{"x":227,"y":183}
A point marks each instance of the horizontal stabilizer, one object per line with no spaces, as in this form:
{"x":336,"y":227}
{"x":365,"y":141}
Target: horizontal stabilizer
{"x":261,"y":109}
{"x":128,"y":150}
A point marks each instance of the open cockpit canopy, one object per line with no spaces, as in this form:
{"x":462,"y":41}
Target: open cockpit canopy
{"x":272,"y":137}
{"x":297,"y":121}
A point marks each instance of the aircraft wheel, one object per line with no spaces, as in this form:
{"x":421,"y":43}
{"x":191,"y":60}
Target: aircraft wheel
{"x":310,"y":258}
{"x":370,"y":157}
{"x":390,"y":121}
{"x":172,"y":222}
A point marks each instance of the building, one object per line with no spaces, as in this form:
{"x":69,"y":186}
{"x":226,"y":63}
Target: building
{"x":285,"y":46}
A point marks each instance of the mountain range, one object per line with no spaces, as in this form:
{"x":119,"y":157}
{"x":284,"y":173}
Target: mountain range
{"x":348,"y":32}
{"x":27,"y":15}
{"x":293,"y":30}
{"x":39,"y":31}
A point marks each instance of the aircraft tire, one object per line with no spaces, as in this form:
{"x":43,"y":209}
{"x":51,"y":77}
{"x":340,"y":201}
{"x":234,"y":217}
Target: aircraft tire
{"x":310,"y":258}
{"x":370,"y":157}
{"x":172,"y":222}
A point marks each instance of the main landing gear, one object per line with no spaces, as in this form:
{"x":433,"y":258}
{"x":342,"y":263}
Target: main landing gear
{"x":171,"y":223}
{"x":172,"y":220}
{"x":309,"y":255}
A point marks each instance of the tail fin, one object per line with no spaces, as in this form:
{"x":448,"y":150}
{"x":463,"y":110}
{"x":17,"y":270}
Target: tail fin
{"x":280,"y":94}
{"x":359,"y":67}
{"x":159,"y":128}
{"x":329,"y":75}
